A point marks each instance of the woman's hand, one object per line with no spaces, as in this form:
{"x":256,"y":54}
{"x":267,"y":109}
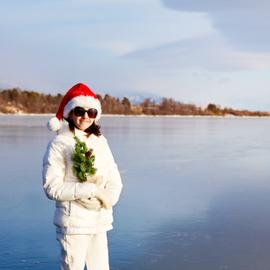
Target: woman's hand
{"x":95,"y":179}
{"x":91,"y":204}
{"x":105,"y":197}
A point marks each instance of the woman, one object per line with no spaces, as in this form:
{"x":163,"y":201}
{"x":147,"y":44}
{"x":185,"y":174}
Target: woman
{"x":84,"y":195}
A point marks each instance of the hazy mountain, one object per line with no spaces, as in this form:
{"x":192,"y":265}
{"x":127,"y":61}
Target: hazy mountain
{"x":136,"y":97}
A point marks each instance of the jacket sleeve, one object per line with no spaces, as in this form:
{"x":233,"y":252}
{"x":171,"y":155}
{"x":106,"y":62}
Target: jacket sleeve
{"x":54,"y":184}
{"x":114,"y":182}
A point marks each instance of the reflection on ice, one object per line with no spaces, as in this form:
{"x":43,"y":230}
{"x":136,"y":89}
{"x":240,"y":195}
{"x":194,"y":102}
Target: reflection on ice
{"x":196,"y":194}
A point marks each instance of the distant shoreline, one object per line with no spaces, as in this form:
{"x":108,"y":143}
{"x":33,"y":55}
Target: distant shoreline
{"x":144,"y":115}
{"x":23,"y":102}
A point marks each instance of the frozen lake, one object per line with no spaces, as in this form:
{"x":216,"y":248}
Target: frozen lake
{"x":196,"y":194}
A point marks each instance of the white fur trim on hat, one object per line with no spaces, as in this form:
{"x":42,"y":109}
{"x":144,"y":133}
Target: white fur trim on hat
{"x":54,"y":124}
{"x":86,"y":102}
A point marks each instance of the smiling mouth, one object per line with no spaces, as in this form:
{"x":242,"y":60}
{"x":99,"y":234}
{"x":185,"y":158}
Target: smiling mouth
{"x":85,"y":120}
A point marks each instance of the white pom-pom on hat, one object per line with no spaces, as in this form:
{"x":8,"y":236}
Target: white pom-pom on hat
{"x":54,"y":124}
{"x":79,"y":95}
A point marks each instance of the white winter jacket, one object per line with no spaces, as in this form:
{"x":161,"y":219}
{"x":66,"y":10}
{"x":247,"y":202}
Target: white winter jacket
{"x":61,"y":185}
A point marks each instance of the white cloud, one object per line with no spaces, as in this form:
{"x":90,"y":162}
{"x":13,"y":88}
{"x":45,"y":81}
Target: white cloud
{"x":221,"y":5}
{"x":205,"y":53}
{"x":244,"y":23}
{"x":114,"y":27}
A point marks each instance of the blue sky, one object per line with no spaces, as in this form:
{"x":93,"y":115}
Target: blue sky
{"x":193,"y":51}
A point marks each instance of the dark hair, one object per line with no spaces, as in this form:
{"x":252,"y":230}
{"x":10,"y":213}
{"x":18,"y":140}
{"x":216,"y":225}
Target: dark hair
{"x":93,"y":129}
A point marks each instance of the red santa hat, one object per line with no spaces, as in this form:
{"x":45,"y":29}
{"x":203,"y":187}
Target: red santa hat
{"x":79,"y":95}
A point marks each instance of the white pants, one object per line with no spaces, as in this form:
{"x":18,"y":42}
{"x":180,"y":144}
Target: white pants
{"x":78,"y":250}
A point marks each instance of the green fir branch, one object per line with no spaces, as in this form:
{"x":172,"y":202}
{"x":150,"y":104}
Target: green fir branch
{"x":83,"y":161}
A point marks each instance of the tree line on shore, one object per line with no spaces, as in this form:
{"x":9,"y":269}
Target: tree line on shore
{"x":21,"y":101}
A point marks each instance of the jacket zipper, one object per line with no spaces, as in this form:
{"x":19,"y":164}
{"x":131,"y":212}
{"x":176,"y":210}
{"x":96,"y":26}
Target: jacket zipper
{"x":69,"y":208}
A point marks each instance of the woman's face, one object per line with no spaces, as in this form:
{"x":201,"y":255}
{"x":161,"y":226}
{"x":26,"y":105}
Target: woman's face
{"x":82,"y":122}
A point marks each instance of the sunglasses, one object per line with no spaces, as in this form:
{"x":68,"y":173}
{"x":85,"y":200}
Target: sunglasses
{"x":79,"y":111}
